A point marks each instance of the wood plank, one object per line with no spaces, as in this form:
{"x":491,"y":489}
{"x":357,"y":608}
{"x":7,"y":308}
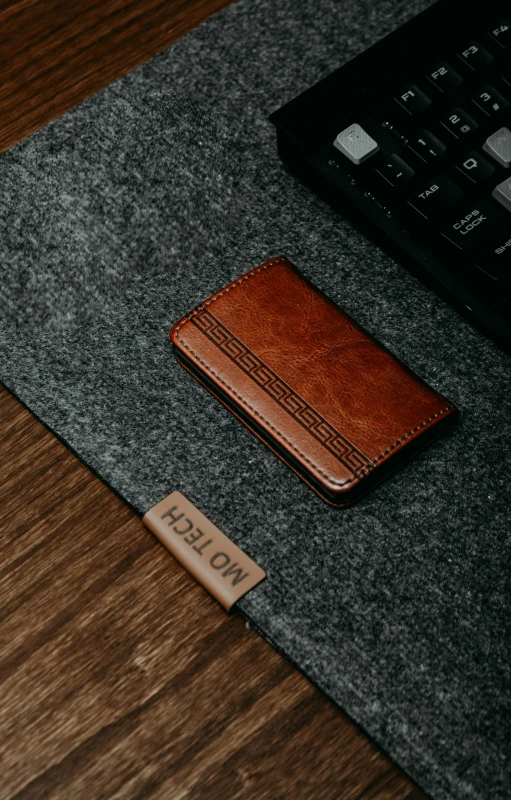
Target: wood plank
{"x":120,"y":677}
{"x":56,"y":53}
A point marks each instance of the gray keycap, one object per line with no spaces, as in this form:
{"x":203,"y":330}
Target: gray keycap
{"x":498,"y":145}
{"x":355,"y":143}
{"x":502,"y":193}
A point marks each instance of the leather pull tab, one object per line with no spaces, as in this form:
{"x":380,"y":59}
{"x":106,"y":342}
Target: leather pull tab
{"x":207,"y":553}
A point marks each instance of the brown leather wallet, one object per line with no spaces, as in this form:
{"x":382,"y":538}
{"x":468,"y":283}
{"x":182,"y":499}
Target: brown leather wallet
{"x":335,"y":405}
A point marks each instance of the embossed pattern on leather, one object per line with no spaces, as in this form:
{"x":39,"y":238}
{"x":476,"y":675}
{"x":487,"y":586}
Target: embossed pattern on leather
{"x":283,"y":394}
{"x":332,"y":402}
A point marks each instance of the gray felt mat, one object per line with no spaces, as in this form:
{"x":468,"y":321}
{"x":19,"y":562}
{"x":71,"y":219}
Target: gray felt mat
{"x":160,"y":190}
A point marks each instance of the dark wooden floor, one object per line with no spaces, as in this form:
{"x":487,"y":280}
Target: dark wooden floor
{"x":119,"y":676}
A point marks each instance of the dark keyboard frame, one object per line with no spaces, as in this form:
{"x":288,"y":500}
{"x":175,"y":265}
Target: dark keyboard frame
{"x":308,"y":125}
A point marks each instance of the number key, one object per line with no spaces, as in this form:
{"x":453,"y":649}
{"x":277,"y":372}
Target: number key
{"x":427,"y":146}
{"x":459,"y":123}
{"x":490,"y":101}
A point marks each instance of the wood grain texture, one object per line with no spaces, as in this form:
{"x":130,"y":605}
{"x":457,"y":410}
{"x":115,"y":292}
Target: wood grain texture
{"x":119,"y":676}
{"x":55,"y":53}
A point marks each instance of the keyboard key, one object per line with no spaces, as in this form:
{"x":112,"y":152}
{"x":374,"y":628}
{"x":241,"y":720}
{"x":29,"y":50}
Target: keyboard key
{"x":498,"y":146}
{"x":490,"y":101}
{"x":436,"y":197}
{"x":475,"y":56}
{"x":501,"y":33}
{"x":493,"y":256}
{"x":398,"y":135}
{"x":444,"y":77}
{"x":502,"y":193}
{"x":395,"y":171}
{"x":475,"y":167}
{"x":459,"y":123}
{"x":471,"y":225}
{"x":412,"y":99}
{"x":356,"y":144}
{"x":427,"y":146}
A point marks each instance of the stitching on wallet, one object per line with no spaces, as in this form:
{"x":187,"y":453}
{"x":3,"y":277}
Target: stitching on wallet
{"x":215,"y":297}
{"x":363,"y":472}
{"x":280,"y":392}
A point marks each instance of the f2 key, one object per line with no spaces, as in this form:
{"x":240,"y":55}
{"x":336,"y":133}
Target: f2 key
{"x":444,"y":77}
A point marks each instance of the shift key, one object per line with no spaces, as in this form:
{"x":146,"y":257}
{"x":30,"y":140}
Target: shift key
{"x":437,"y":196}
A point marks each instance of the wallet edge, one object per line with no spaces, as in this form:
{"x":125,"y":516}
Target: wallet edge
{"x":355,"y":489}
{"x":396,"y":455}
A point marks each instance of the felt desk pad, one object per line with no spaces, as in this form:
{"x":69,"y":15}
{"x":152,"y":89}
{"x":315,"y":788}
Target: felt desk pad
{"x":121,"y":216}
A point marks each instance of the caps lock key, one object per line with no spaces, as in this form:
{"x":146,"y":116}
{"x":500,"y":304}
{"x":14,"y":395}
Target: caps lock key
{"x":471,"y":225}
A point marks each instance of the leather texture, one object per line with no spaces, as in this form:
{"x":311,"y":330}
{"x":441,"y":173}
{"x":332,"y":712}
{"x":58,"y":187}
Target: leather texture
{"x":326,"y":397}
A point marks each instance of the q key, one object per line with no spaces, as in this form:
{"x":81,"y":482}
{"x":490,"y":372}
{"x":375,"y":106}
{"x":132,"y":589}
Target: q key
{"x":475,"y":167}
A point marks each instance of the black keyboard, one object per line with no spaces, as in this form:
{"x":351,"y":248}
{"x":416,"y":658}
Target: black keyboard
{"x":413,"y":137}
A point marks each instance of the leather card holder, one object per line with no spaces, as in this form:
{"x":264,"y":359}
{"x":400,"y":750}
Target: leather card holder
{"x":333,"y":403}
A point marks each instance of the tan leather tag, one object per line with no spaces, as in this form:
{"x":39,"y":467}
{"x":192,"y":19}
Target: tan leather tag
{"x":207,"y":553}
